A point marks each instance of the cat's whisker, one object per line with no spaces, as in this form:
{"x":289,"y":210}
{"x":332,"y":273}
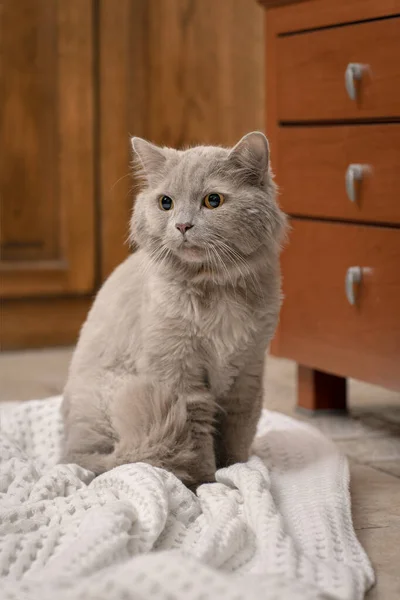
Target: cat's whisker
{"x":213,"y":266}
{"x":120,"y":179}
{"x":154,"y":259}
{"x":209,"y":263}
{"x":225,"y":268}
{"x":239,"y":262}
{"x":243,"y":268}
{"x":164,"y":256}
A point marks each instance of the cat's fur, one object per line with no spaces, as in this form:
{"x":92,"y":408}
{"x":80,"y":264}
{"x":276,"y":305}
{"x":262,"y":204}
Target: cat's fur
{"x":168,"y":367}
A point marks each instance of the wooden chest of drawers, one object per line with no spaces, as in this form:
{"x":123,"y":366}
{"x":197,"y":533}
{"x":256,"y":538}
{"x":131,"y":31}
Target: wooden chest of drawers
{"x":333,"y":120}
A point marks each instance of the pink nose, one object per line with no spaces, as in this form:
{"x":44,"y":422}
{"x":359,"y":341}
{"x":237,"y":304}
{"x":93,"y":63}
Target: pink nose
{"x":183,"y":227}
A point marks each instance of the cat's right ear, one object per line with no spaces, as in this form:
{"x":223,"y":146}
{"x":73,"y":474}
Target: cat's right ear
{"x":150,"y":158}
{"x":251,"y":158}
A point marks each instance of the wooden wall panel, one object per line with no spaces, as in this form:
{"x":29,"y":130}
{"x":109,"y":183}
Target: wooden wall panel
{"x":46,"y":146}
{"x":206,"y":70}
{"x":40,"y":322}
{"x":177,"y":72}
{"x":28,"y":98}
{"x":123,"y":78}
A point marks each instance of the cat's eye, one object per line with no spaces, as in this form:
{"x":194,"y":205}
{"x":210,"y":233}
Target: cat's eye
{"x":165,"y":203}
{"x":213,"y":200}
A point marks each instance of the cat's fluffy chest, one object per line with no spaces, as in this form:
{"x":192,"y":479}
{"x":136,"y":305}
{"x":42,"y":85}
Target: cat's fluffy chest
{"x":200,"y":332}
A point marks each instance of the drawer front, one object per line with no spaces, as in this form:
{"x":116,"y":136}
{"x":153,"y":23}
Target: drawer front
{"x":311,"y":70}
{"x":319,"y":327}
{"x":343,"y":172}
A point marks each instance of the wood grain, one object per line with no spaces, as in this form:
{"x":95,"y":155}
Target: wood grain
{"x":48,"y":165}
{"x":311,"y":164}
{"x":276,"y":3}
{"x":271,"y":97}
{"x":76,"y":121}
{"x":314,"y":14}
{"x":205,"y":70}
{"x":33,"y":323}
{"x":28,"y":140}
{"x":177,"y":72}
{"x":318,"y":327}
{"x":311,"y":68}
{"x":122,"y":110}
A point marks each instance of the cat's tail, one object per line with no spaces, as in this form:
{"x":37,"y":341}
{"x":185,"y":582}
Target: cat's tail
{"x":155,"y":425}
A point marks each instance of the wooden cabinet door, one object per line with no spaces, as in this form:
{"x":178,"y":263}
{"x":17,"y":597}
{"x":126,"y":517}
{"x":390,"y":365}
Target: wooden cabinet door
{"x":46,"y":146}
{"x":177,"y":73}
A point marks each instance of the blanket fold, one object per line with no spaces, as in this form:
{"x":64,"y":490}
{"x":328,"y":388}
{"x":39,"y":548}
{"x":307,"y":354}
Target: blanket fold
{"x":278,"y":526}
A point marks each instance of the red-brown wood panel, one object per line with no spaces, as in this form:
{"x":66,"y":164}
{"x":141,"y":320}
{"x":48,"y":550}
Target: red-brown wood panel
{"x":311,"y":72}
{"x":311,"y":166}
{"x":318,"y":326}
{"x":298,"y":15}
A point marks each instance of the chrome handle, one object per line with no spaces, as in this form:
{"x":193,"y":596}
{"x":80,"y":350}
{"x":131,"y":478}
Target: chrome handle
{"x":354,"y":173}
{"x":352,"y":280}
{"x":353,"y":74}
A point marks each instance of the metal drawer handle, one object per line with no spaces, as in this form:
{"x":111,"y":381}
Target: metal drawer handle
{"x":354,"y":173}
{"x":353,"y":73}
{"x":352,"y":280}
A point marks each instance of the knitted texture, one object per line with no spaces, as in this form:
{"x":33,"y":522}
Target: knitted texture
{"x":276,"y":527}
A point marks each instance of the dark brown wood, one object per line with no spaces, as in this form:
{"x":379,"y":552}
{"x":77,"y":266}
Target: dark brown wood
{"x":33,"y":323}
{"x":162,"y":79}
{"x":47,"y":215}
{"x":78,"y":78}
{"x":122,"y":112}
{"x":276,"y":3}
{"x":311,"y":163}
{"x":271,"y":108}
{"x":202,"y":91}
{"x":311,"y":68}
{"x":317,"y":390}
{"x":314,"y":14}
{"x":318,"y":326}
{"x":28,"y":140}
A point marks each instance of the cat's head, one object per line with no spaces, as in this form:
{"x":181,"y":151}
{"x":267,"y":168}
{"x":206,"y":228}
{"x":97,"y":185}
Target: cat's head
{"x":207,"y":207}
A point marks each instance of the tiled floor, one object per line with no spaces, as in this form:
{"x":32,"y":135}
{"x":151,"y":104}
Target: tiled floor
{"x":369,"y":435}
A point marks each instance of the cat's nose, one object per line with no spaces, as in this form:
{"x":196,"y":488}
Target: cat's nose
{"x":183,"y":227}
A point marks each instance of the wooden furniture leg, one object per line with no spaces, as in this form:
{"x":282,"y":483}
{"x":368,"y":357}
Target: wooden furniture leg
{"x":317,"y":390}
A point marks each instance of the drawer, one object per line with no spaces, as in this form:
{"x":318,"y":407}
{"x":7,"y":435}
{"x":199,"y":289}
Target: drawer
{"x":313,"y":164}
{"x":311,"y":70}
{"x":318,"y":326}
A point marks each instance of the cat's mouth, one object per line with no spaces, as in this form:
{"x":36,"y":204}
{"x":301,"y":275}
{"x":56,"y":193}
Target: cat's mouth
{"x":192,"y":253}
{"x":189,"y":252}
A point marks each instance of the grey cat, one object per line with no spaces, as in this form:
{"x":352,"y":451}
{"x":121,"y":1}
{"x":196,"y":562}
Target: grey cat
{"x":168,"y":367}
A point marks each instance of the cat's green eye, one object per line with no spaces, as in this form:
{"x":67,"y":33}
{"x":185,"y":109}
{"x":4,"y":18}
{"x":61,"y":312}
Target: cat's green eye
{"x":165,"y":203}
{"x":213,"y":200}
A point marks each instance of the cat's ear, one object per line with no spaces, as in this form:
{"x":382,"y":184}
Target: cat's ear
{"x":250,"y":157}
{"x":151,"y":158}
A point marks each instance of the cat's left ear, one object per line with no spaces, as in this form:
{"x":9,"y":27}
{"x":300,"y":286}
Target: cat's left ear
{"x":151,"y":158}
{"x":250,"y":156}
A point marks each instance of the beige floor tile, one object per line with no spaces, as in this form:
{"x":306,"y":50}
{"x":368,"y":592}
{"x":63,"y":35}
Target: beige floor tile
{"x":375,"y":498}
{"x":382,"y":546}
{"x":368,"y":395}
{"x":392,"y":467}
{"x":367,"y":450}
{"x":376,"y":516}
{"x":352,"y":427}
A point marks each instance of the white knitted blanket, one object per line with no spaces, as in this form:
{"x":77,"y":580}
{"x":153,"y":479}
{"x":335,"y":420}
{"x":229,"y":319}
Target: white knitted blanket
{"x":278,"y":527}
